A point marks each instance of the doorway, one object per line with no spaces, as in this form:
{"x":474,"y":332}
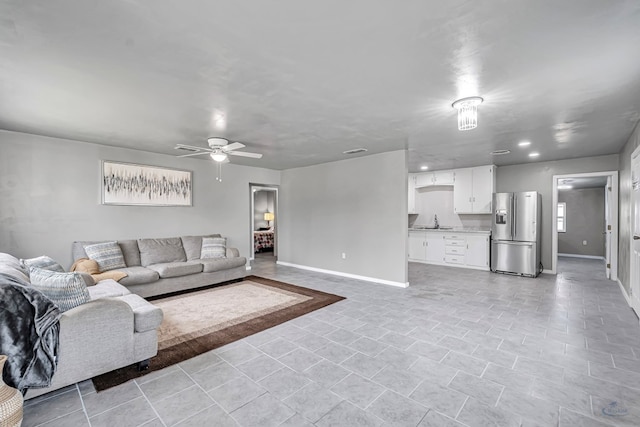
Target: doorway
{"x":264,"y":222}
{"x":635,"y":231}
{"x":591,"y":236}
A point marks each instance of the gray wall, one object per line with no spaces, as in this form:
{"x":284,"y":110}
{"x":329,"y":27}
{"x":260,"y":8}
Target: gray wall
{"x":585,"y":221}
{"x":539,"y":176}
{"x":357,"y":206}
{"x":50,"y":196}
{"x":263,"y":202}
{"x":624,"y":212}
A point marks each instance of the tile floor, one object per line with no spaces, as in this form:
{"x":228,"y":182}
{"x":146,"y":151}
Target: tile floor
{"x":457,"y":348}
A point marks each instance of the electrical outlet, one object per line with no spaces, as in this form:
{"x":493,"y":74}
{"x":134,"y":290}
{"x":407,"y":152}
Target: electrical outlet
{"x":584,"y":243}
{"x":344,"y":255}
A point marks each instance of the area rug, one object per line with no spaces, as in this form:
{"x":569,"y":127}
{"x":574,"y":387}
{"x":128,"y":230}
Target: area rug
{"x":202,"y":320}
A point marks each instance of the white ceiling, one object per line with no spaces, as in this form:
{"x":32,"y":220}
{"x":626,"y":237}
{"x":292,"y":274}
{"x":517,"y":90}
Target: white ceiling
{"x":303,"y":81}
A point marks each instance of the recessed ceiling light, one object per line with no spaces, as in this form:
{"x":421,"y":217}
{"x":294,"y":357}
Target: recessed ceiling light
{"x":524,"y":143}
{"x":499,"y":152}
{"x":534,"y":154}
{"x":565,"y":187}
{"x":424,"y":168}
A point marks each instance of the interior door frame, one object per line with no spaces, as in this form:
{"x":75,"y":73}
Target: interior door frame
{"x":634,"y":298}
{"x":614,"y":218}
{"x":253,"y":188}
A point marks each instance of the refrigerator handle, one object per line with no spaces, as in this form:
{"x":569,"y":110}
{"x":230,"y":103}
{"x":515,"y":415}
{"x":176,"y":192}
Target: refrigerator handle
{"x":513,"y":217}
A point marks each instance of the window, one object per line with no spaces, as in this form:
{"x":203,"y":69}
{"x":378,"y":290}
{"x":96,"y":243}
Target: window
{"x":562,"y":217}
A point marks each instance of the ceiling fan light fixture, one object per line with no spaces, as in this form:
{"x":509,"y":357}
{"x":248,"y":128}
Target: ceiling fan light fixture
{"x":219,"y":156}
{"x":467,"y":112}
{"x":217,"y":142}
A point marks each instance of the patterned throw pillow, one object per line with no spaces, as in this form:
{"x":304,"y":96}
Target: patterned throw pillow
{"x":108,"y":255}
{"x":42,"y":262}
{"x":66,"y":290}
{"x":214,"y":247}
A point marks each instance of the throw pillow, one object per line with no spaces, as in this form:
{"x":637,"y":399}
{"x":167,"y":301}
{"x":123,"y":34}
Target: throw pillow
{"x":66,"y":290}
{"x":108,"y":255}
{"x":42,"y":262}
{"x":214,"y":247}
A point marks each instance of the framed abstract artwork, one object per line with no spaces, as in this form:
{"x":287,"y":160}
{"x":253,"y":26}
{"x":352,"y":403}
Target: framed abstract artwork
{"x":141,"y":185}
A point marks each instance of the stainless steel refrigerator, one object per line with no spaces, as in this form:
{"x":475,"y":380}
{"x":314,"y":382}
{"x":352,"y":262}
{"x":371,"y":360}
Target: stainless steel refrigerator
{"x":515,"y":233}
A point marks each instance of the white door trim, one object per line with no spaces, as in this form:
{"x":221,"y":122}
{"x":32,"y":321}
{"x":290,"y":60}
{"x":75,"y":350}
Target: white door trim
{"x":252,"y":189}
{"x":614,"y":219}
{"x":633,"y":299}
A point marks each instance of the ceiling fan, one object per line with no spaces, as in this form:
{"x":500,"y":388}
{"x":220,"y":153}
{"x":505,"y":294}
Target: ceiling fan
{"x":219,"y":150}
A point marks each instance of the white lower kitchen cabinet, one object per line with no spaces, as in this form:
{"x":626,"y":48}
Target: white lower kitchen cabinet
{"x":435,"y":248}
{"x":417,"y":246}
{"x":477,"y":254}
{"x":456,"y":249}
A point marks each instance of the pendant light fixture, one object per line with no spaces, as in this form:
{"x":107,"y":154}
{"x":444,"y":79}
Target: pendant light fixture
{"x":467,"y":112}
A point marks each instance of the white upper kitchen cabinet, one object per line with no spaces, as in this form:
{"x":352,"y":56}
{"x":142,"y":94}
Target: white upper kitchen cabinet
{"x":473,"y":190}
{"x":434,"y":178}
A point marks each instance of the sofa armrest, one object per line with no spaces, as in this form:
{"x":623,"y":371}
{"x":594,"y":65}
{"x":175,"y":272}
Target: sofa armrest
{"x":146,"y":316}
{"x":233,"y":253}
{"x":95,"y":335}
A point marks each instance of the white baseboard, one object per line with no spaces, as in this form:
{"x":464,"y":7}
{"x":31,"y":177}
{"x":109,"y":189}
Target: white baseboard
{"x":582,"y":256}
{"x":624,"y":293}
{"x":349,"y":275}
{"x":548,"y":271}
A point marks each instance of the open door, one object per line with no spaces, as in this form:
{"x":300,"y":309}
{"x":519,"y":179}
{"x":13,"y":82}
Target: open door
{"x":264,"y":217}
{"x":635,"y":231}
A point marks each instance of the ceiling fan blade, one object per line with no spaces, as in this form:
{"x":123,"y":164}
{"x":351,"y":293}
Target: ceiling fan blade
{"x":195,"y":154}
{"x":245,"y":154}
{"x":189,"y":147}
{"x":233,"y":146}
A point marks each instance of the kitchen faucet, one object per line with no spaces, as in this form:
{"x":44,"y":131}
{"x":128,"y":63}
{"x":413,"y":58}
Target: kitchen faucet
{"x":435,"y":220}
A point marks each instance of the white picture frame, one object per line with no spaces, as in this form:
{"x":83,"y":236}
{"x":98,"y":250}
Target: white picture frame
{"x":132,"y":184}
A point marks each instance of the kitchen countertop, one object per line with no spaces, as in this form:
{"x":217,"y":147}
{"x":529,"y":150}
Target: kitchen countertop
{"x":454,"y":230}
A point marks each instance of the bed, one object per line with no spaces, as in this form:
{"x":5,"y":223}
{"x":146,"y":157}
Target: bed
{"x":263,"y":240}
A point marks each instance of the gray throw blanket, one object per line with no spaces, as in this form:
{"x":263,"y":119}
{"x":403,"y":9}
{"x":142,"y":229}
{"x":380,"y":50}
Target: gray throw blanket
{"x":29,"y":331}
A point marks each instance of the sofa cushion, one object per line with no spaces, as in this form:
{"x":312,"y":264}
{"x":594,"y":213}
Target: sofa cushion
{"x":108,"y":255}
{"x":107,"y":289}
{"x":11,"y":266}
{"x":66,"y":290}
{"x":193,"y":245}
{"x":139,"y":276}
{"x":216,"y":264}
{"x":146,"y":316}
{"x":130,"y":252}
{"x":43,"y":262}
{"x":175,"y":269}
{"x":232,"y":252}
{"x":214,"y":247}
{"x":158,"y":251}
